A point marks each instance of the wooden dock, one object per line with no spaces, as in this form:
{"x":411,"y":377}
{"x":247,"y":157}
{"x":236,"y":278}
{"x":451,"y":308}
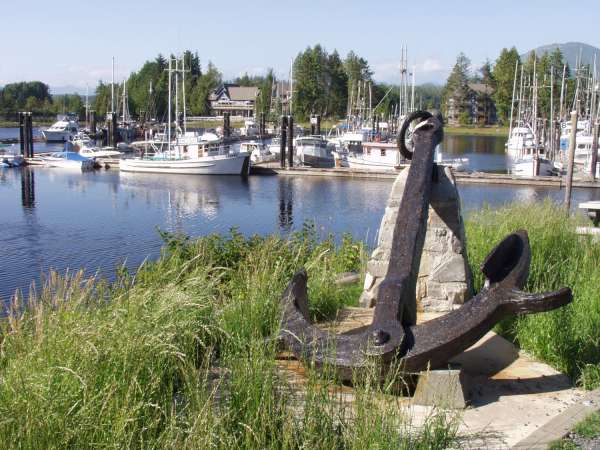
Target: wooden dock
{"x":266,"y":169}
{"x":461,"y":177}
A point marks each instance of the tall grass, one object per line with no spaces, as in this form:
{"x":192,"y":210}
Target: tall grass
{"x":567,"y":338}
{"x":181,"y":355}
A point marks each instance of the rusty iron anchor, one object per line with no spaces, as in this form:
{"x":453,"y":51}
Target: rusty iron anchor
{"x":393,"y":334}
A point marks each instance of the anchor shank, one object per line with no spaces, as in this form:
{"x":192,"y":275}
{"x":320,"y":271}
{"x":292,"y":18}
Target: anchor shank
{"x":396,"y":298}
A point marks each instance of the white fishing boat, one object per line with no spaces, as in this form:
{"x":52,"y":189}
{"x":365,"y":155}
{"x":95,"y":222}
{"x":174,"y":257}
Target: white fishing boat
{"x":68,"y":160}
{"x":63,"y":130}
{"x":191,"y":153}
{"x":526,"y":154}
{"x":377,"y":156}
{"x":314,"y":151}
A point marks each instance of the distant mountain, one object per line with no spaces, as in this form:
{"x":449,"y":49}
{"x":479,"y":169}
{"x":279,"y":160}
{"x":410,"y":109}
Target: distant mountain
{"x":61,"y":90}
{"x":571,"y":52}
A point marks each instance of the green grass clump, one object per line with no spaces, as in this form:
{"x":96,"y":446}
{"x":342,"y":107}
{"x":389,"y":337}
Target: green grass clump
{"x":182,"y":355}
{"x":567,"y":338}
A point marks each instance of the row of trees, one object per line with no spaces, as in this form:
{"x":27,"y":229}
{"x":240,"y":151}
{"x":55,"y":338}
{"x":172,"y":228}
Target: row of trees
{"x":147,"y":88}
{"x":35,"y":96}
{"x":499,"y":77}
{"x":324,"y":84}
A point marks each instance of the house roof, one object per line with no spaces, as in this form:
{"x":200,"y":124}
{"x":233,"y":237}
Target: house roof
{"x":235,"y":93}
{"x":481,"y":88}
{"x":241,"y":93}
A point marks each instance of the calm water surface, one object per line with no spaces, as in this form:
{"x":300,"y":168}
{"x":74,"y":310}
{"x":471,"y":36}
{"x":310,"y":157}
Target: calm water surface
{"x":53,"y":218}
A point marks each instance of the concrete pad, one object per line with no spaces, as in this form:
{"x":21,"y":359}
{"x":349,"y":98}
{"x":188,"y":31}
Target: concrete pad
{"x":512,"y":395}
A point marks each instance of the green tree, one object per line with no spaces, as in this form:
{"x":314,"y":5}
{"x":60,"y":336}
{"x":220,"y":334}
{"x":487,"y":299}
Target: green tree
{"x":457,"y":86}
{"x":503,"y":75}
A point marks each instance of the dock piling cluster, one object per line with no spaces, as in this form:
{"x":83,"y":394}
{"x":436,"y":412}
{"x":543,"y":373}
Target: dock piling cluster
{"x":26,"y":134}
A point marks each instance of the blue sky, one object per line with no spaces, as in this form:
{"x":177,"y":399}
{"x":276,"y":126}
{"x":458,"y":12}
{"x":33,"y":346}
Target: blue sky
{"x":71,"y":43}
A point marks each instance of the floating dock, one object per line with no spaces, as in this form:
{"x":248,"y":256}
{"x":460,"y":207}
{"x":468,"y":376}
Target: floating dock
{"x":266,"y":169}
{"x":461,"y":177}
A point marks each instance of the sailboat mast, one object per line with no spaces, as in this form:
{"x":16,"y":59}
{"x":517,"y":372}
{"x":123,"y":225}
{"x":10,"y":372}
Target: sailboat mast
{"x":512,"y":103}
{"x":169,"y":107}
{"x":112,"y":87}
{"x":552,"y":111}
{"x":412,"y":93}
{"x":562,"y":92}
{"x":291,"y":87}
{"x":87,"y":105}
{"x":176,"y":94}
{"x":183,"y":92}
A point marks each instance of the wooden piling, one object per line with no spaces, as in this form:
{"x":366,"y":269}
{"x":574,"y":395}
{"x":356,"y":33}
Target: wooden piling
{"x":594,"y":160}
{"x":226,"y":125}
{"x":282,"y":143}
{"x":290,"y":141}
{"x":571,"y":156}
{"x":92,"y":121}
{"x":30,"y":134}
{"x":22,"y":133}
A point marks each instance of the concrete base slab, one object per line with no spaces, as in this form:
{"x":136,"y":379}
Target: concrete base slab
{"x":511,"y":395}
{"x":442,"y":388}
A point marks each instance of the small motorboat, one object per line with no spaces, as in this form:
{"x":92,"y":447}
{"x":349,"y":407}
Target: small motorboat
{"x":258,"y":151}
{"x":63,"y":130}
{"x":9,"y":157}
{"x":69,"y":160}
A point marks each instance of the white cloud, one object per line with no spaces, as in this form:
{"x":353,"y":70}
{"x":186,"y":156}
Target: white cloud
{"x":428,"y":70}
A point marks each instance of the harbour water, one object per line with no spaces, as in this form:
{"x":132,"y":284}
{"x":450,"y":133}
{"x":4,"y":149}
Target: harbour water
{"x":53,"y":218}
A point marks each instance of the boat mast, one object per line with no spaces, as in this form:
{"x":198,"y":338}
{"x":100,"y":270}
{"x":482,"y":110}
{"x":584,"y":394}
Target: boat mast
{"x":183,"y":92}
{"x":291,"y":87}
{"x":87,"y":106}
{"x":520,"y":99}
{"x":177,"y":95}
{"x":169,"y":108}
{"x":552,"y":111}
{"x":512,"y":103}
{"x":412,"y":93}
{"x":562,"y":91}
{"x":112,"y":87}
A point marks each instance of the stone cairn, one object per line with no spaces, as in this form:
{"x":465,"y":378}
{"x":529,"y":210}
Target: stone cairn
{"x":444,"y":280}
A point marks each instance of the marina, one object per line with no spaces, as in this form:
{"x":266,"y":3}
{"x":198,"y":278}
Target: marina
{"x":291,"y":226}
{"x":96,"y":220}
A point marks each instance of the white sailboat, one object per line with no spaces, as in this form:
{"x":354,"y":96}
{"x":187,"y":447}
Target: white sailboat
{"x":190,"y":153}
{"x":525,"y":153}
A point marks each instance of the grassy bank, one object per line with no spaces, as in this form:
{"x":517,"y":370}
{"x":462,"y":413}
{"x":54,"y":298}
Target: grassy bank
{"x":132,"y":364}
{"x":181,"y":355}
{"x":477,"y":131}
{"x":568,"y":338}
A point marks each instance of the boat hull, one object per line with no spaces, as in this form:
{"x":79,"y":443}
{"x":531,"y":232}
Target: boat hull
{"x":361,"y":163}
{"x":56,"y":136}
{"x":208,"y":165}
{"x":317,"y":161}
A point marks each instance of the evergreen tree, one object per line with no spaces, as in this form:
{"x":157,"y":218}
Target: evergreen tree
{"x":457,"y":88}
{"x":503,"y":74}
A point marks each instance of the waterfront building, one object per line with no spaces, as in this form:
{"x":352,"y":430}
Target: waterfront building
{"x":239,"y":101}
{"x":478,"y":105}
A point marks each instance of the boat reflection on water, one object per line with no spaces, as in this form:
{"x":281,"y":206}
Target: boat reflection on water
{"x":180,"y":197}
